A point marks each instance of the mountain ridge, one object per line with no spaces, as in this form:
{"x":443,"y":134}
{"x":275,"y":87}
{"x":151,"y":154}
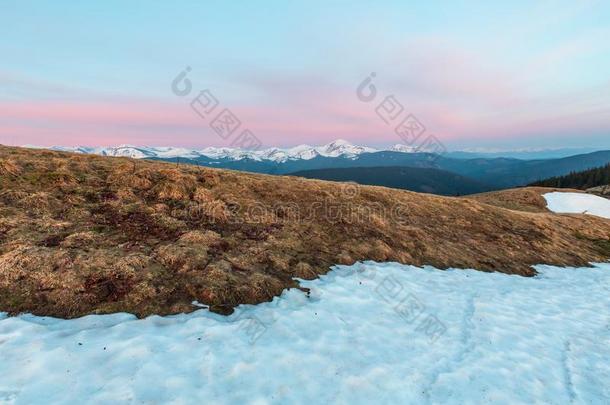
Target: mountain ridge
{"x":336,"y":148}
{"x":421,"y":180}
{"x":497,"y":172}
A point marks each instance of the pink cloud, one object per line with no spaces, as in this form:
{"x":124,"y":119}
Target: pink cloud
{"x":173,"y":123}
{"x":466,"y":104}
{"x":98,"y":123}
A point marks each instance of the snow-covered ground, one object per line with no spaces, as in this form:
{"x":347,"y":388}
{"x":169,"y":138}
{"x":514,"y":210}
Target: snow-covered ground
{"x":369,"y":333}
{"x":578,"y":203}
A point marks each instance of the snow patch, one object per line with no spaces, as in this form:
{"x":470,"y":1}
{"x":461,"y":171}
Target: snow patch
{"x":360,"y":335}
{"x":578,"y":203}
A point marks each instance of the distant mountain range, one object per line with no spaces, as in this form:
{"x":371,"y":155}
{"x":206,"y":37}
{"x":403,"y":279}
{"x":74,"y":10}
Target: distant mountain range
{"x":422,"y":180}
{"x":338,"y":148}
{"x":492,"y":173}
{"x":523,"y":154}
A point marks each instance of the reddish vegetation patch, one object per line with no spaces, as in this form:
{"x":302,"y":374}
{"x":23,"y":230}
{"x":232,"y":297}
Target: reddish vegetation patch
{"x":87,"y":234}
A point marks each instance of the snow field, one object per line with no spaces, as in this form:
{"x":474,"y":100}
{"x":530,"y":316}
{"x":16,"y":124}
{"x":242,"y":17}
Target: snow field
{"x":368,"y":333}
{"x":578,"y":203}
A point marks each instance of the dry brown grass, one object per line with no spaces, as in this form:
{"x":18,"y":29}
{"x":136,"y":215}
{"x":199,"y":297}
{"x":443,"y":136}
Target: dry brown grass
{"x":603,"y":191}
{"x":522,"y":199}
{"x":88,"y":234}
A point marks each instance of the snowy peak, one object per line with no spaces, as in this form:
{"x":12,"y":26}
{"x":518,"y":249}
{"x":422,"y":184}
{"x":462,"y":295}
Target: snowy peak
{"x":335,"y":149}
{"x":304,"y":152}
{"x":342,"y":147}
{"x":403,"y":148}
{"x":128,"y":151}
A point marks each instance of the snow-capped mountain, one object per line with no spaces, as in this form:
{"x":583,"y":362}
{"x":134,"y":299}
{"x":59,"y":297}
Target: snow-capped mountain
{"x":126,"y":151}
{"x":341,"y":147}
{"x":133,"y":151}
{"x":404,"y":148}
{"x":338,"y":148}
{"x":122,"y":151}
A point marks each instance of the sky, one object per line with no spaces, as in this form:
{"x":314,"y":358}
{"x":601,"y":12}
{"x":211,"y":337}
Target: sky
{"x":476,"y":74}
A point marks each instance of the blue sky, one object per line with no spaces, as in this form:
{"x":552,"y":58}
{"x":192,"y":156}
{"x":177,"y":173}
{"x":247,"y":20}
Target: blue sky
{"x":477,"y":74}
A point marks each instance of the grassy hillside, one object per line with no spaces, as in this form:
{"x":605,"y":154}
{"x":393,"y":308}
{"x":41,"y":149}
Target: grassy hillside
{"x":421,"y":180}
{"x":87,"y":234}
